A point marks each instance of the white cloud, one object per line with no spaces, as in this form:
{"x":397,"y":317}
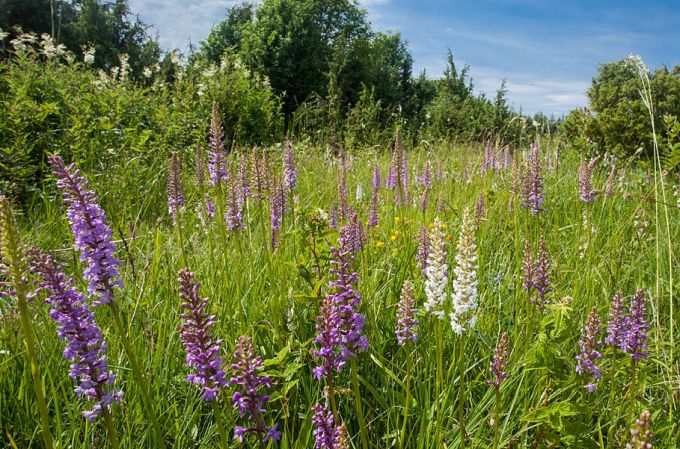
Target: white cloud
{"x":178,"y":22}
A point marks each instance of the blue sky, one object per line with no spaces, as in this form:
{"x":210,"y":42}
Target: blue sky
{"x":547,"y":51}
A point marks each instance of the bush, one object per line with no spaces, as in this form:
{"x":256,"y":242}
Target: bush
{"x":100,"y":119}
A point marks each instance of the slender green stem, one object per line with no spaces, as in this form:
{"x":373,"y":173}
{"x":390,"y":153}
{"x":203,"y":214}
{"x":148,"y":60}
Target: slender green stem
{"x":35,"y":371}
{"x":407,"y":401}
{"x":357,"y":403}
{"x":438,"y":380}
{"x":496,"y":419}
{"x":331,"y":397}
{"x":461,"y":401}
{"x":217,"y":411}
{"x":180,"y":243}
{"x":139,"y":376}
{"x":110,"y":430}
{"x":633,"y":380}
{"x":613,"y":423}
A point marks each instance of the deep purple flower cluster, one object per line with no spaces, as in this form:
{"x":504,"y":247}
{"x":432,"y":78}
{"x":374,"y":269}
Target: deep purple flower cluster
{"x":325,"y":432}
{"x":533,"y":187}
{"x":217,"y":158}
{"x":85,"y":348}
{"x":500,"y":362}
{"x":617,"y":324}
{"x":328,"y":338}
{"x":628,"y":332}
{"x":537,"y":273}
{"x":248,"y":401}
{"x":407,"y":325}
{"x":339,"y":325}
{"x":589,"y":354}
{"x":289,"y":170}
{"x":175,"y":190}
{"x":423,"y":248}
{"x":636,"y":331}
{"x":91,"y":234}
{"x":203,"y":353}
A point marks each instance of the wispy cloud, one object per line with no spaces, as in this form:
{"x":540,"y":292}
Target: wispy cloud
{"x":547,"y":51}
{"x":178,"y":21}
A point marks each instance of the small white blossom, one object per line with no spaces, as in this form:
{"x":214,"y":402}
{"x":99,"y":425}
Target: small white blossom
{"x":88,"y":55}
{"x":209,"y":72}
{"x":124,"y":67}
{"x":48,"y":48}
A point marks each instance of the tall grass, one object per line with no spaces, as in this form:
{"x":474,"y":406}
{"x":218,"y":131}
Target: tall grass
{"x":274,"y":297}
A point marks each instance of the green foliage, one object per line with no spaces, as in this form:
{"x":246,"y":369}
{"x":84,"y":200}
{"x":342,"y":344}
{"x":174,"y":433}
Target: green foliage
{"x":621,"y":122}
{"x":107,"y":26}
{"x":98,"y":120}
{"x":457,"y":113}
{"x":367,"y":124}
{"x":292,"y":43}
{"x":670,"y":145}
{"x":227,"y":35}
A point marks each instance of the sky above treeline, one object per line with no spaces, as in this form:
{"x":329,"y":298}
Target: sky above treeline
{"x":547,"y":51}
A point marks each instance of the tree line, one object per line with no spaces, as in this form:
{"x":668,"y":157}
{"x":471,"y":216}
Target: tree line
{"x":338,"y":78}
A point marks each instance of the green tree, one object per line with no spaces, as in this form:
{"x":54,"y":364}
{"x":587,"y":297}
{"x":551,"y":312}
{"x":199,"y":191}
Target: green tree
{"x":292,"y":42}
{"x":112,"y":30}
{"x":621,"y":120}
{"x":108,"y":26}
{"x":228,"y":33}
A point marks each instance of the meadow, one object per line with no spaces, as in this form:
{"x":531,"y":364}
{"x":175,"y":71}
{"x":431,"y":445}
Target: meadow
{"x":403,"y":295}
